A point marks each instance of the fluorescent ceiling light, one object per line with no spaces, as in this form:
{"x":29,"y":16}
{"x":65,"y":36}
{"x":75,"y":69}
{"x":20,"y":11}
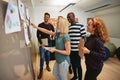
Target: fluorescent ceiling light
{"x":69,"y":5}
{"x":62,"y":2}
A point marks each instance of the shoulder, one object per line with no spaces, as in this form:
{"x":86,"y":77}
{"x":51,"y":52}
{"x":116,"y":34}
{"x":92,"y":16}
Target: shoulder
{"x":40,"y":24}
{"x":50,"y":24}
{"x":66,"y":37}
{"x":98,"y":40}
{"x":78,"y":24}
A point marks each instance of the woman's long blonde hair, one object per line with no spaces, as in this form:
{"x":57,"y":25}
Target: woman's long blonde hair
{"x":101,"y":29}
{"x":63,"y":25}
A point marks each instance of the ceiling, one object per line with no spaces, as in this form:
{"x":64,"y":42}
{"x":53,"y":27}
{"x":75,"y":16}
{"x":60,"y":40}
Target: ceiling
{"x":82,"y":4}
{"x":92,"y":4}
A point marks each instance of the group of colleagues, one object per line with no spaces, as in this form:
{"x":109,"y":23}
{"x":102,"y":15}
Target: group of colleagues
{"x":67,"y":44}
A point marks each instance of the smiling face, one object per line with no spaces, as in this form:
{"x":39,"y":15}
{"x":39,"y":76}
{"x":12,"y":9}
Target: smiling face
{"x":71,"y":18}
{"x":46,"y":18}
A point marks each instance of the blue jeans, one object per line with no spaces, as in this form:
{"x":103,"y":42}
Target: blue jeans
{"x":60,"y":71}
{"x":46,"y":54}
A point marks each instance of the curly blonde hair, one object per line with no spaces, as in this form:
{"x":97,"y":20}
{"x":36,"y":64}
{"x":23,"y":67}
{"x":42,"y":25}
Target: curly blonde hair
{"x":101,"y":29}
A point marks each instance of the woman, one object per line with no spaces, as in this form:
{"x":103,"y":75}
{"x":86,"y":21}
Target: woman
{"x":62,"y":50}
{"x":94,"y":48}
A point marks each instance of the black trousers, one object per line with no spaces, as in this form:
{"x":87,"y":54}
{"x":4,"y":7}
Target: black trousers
{"x":76,"y":64}
{"x":91,"y":74}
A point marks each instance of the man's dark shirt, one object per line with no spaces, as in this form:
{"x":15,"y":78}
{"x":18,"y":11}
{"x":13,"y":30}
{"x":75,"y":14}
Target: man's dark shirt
{"x":41,"y":35}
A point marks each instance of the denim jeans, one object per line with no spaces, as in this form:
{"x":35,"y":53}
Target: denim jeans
{"x":60,"y":71}
{"x":46,"y":54}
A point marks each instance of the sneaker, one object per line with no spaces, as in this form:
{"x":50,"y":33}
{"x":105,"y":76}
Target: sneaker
{"x":74,"y":78}
{"x":48,"y":68}
{"x":40,"y":75}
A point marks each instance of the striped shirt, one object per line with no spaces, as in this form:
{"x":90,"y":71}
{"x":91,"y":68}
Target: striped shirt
{"x":76,"y":32}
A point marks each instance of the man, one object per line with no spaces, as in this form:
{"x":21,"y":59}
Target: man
{"x":76,"y":32}
{"x":42,"y":37}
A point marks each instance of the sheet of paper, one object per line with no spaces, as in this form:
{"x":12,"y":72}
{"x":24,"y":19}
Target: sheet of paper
{"x":21,"y":10}
{"x":81,"y":54}
{"x":27,"y":41}
{"x":47,"y":48}
{"x":45,"y":41}
{"x":12,"y":22}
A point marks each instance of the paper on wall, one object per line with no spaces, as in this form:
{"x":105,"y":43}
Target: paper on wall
{"x":12,"y":22}
{"x":27,"y":41}
{"x":21,"y":10}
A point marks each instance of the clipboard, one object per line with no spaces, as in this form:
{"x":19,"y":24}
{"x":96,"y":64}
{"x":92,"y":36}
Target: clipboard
{"x":45,"y":41}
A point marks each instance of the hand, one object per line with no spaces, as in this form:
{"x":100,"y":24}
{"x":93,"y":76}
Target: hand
{"x":33,"y":25}
{"x":43,"y":45}
{"x":52,"y":50}
{"x":85,"y":50}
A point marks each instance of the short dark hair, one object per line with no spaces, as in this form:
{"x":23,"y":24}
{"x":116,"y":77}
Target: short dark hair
{"x":47,"y":14}
{"x":71,"y":13}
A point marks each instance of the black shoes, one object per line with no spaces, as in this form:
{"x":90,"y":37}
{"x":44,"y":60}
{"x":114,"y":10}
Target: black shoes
{"x":41,"y":72}
{"x":48,"y":68}
{"x":40,"y":75}
{"x":74,"y":78}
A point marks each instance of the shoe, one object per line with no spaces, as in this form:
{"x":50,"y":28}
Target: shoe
{"x":70,"y":70}
{"x":40,"y":75}
{"x":48,"y":68}
{"x":74,"y":78}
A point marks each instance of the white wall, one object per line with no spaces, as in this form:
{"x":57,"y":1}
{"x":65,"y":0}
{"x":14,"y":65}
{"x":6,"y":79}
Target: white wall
{"x":115,"y":41}
{"x":111,"y":17}
{"x":54,"y":12}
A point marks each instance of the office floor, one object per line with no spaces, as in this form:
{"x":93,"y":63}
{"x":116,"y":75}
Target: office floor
{"x":111,"y":70}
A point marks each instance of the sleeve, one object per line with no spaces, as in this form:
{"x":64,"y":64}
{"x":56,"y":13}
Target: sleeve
{"x":66,"y":38}
{"x":83,"y":31}
{"x":99,"y":52}
{"x":39,"y":36}
{"x":53,"y":30}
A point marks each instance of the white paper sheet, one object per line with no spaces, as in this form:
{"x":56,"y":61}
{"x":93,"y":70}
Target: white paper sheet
{"x":47,"y":48}
{"x":27,"y":41}
{"x":21,"y":10}
{"x":12,"y":22}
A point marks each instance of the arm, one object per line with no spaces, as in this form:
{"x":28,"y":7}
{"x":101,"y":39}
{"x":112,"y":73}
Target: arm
{"x":43,"y":30}
{"x":83,"y":32}
{"x":39,"y":37}
{"x":98,"y":53}
{"x":52,"y":29}
{"x":64,"y":52}
{"x":83,"y":36}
